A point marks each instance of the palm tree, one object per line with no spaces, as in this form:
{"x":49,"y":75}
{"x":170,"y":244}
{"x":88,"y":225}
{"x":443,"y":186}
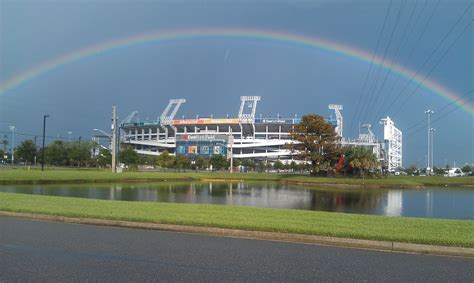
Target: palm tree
{"x":362,"y":159}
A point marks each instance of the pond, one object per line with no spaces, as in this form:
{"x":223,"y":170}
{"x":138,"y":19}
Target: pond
{"x":435,"y":202}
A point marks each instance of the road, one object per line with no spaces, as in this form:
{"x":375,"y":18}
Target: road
{"x":45,"y":251}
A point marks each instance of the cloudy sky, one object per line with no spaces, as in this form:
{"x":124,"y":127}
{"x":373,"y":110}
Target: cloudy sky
{"x":432,"y":37}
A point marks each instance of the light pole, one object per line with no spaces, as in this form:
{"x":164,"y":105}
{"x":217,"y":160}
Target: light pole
{"x":231,"y":142}
{"x":36,"y":150}
{"x":429,"y":112}
{"x":114,"y":139}
{"x":432,"y":130}
{"x":12,"y":128}
{"x":44,"y":137}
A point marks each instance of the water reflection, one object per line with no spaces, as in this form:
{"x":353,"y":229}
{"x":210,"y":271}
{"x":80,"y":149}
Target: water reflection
{"x":455,"y":203}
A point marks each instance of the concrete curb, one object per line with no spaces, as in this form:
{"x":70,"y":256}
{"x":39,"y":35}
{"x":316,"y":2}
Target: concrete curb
{"x":258,"y":235}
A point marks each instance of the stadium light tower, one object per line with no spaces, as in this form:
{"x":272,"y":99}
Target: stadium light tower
{"x":428,"y":161}
{"x":339,"y":119}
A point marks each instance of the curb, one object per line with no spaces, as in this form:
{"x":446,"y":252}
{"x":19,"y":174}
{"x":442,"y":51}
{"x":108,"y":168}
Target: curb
{"x":258,"y":235}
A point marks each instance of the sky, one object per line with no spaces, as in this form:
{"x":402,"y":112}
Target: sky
{"x":211,"y":73}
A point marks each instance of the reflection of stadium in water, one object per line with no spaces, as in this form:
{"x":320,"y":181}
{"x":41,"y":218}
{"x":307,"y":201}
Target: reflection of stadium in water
{"x":394,"y":203}
{"x":456,"y":203}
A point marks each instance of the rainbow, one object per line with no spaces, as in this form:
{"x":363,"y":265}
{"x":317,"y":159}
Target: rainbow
{"x":239,"y":33}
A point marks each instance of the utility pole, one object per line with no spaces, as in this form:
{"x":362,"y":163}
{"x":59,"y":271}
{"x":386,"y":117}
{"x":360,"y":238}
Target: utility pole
{"x":432,"y":146}
{"x":44,"y":137}
{"x":36,"y":149}
{"x":114,"y":138}
{"x":231,"y":141}
{"x":12,"y":128}
{"x":428,"y":164}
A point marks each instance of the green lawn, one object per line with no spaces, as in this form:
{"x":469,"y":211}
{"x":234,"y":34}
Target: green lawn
{"x":88,"y":176}
{"x":410,"y":230}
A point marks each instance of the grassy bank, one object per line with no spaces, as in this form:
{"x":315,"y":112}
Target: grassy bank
{"x":409,"y":230}
{"x":23,"y":176}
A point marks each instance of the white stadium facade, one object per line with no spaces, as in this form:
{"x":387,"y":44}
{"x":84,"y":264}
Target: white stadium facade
{"x":244,"y":137}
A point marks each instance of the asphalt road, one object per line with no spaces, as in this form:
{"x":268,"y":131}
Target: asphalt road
{"x":44,"y":251}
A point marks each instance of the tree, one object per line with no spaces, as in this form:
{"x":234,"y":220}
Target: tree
{"x":56,"y":153}
{"x":362,"y":159}
{"x":237,"y":162}
{"x":2,"y":153}
{"x":278,"y":165}
{"x":79,"y":153}
{"x":439,"y":171}
{"x":5,"y":142}
{"x":182,"y":162}
{"x":165,"y":160}
{"x":467,"y":168}
{"x":129,"y":157}
{"x":260,"y":166}
{"x":293,"y":166}
{"x":145,"y":159}
{"x":218,"y":162}
{"x":201,"y":163}
{"x":316,"y":143}
{"x":412,"y":170}
{"x":249,"y":164}
{"x":104,"y":158}
{"x":26,"y":151}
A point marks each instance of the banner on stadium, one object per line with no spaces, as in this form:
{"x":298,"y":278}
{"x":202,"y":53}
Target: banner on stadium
{"x":202,"y":137}
{"x":205,"y":121}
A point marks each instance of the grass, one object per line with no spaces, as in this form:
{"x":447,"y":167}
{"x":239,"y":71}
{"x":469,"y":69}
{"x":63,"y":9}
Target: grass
{"x":409,"y":230}
{"x":24,"y":176}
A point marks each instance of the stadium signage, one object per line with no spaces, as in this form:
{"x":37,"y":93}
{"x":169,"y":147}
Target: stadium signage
{"x":205,"y":121}
{"x":201,"y":137}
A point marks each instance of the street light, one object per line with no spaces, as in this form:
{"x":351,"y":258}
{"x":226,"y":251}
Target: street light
{"x":36,"y":149}
{"x":429,"y":112}
{"x":432,"y":130}
{"x":12,"y":128}
{"x":231,"y":142}
{"x":44,"y":137}
{"x":230,"y":153}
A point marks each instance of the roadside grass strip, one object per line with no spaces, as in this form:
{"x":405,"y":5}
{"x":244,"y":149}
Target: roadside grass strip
{"x":23,"y":176}
{"x":442,"y":232}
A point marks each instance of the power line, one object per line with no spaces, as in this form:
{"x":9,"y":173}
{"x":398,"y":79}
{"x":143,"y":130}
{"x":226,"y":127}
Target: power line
{"x":372,"y":62}
{"x":396,"y":57}
{"x":432,"y":69}
{"x":440,"y":110}
{"x":421,"y":128}
{"x":431,"y":55}
{"x":410,"y":54}
{"x":365,"y":109}
{"x":39,"y":136}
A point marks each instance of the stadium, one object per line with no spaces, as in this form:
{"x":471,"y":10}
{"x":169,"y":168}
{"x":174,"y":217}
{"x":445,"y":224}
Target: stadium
{"x":244,"y":137}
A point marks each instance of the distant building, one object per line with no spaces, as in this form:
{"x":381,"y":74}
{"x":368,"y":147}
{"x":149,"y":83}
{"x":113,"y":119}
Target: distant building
{"x":455,"y":172}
